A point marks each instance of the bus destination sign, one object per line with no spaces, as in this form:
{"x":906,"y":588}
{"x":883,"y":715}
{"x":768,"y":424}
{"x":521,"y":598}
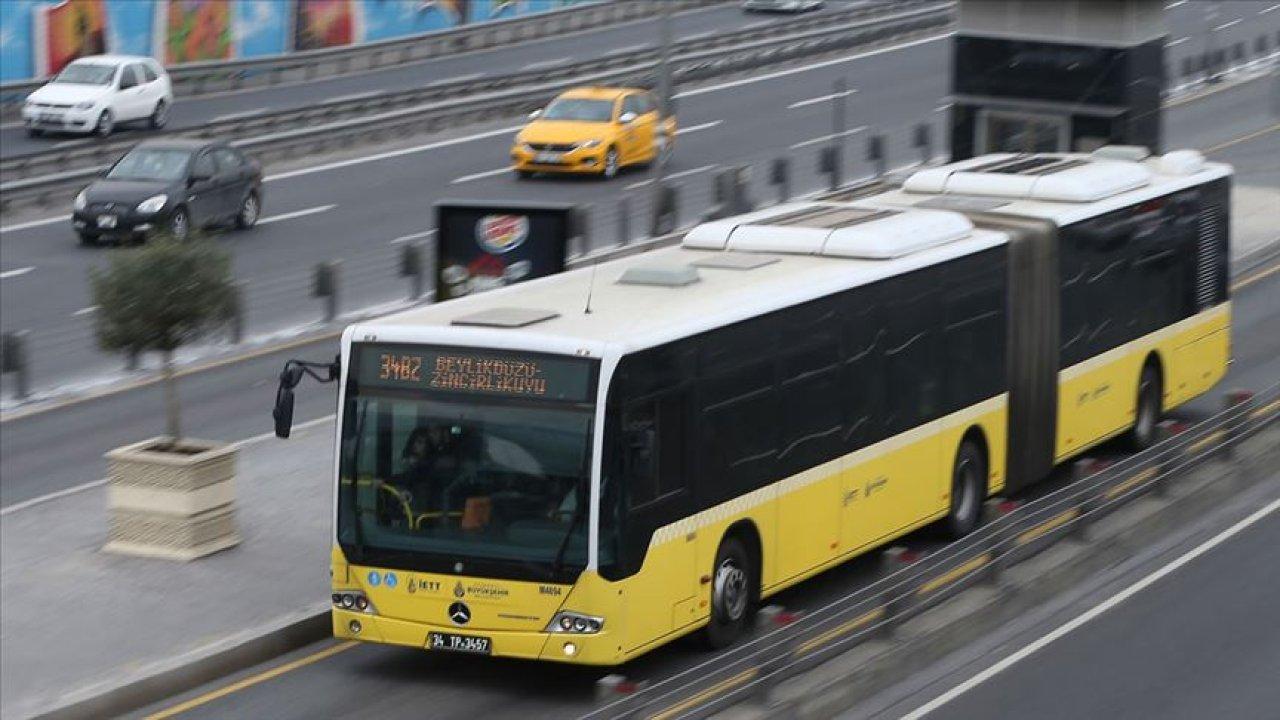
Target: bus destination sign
{"x":474,"y":371}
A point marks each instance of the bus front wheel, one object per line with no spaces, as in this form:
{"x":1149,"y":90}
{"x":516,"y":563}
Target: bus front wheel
{"x":732,"y":594}
{"x":968,"y":488}
{"x":1148,"y":411}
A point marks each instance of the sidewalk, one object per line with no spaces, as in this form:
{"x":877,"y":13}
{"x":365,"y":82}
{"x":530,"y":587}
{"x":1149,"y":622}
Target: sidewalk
{"x":77,"y":622}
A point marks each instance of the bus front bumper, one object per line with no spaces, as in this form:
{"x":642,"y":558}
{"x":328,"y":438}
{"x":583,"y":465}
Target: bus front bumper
{"x":583,"y":649}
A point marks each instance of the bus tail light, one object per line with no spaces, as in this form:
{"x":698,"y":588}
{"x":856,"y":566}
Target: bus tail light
{"x":353,"y":600}
{"x":575,"y":623}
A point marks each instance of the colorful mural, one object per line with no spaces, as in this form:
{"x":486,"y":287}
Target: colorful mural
{"x":39,"y":37}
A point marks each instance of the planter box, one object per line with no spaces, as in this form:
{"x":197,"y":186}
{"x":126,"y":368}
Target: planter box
{"x":174,"y":504}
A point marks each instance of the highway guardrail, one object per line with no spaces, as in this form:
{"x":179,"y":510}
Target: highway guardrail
{"x":340,"y":123}
{"x":752,"y":671}
{"x":205,"y":78}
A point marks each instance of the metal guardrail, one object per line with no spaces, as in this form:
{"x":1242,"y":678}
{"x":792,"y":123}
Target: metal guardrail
{"x":94,"y":152}
{"x":323,"y":127}
{"x":204,"y":78}
{"x":755,"y":668}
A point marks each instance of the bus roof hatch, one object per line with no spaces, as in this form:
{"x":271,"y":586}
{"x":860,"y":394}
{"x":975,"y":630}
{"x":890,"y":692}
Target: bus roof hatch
{"x":1033,"y":177}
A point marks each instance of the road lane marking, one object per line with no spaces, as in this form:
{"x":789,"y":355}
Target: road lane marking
{"x":825,"y":138}
{"x":1175,"y":43}
{"x":1092,"y":613}
{"x":85,"y":311}
{"x":34,"y":223}
{"x":479,"y":175}
{"x":820,"y":99}
{"x":696,"y":128}
{"x":695,"y":36}
{"x":672,"y":176}
{"x":548,"y":63}
{"x":943,"y":107}
{"x":252,"y":680}
{"x":389,"y":154}
{"x":1173,"y":5}
{"x":1242,"y":138}
{"x":1264,"y":11}
{"x":1228,"y":24}
{"x":414,"y":236}
{"x":805,"y":68}
{"x":629,"y":49}
{"x":458,"y":79}
{"x":355,"y":96}
{"x":239,"y":115}
{"x":296,"y":214}
{"x":16,"y":272}
{"x":1251,"y":279}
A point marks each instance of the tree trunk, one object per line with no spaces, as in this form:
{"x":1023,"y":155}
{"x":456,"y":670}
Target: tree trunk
{"x":173,"y":424}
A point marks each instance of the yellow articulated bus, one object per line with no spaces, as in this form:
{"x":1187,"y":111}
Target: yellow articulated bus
{"x":583,"y":467}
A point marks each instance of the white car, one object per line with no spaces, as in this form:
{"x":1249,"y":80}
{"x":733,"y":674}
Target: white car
{"x":94,"y":94}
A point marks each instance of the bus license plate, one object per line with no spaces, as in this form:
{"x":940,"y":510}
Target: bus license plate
{"x":106,"y":221}
{"x":459,"y":643}
{"x":548,"y":157}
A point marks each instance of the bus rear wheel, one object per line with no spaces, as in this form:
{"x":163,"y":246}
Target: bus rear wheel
{"x":968,"y":488}
{"x":1147,"y":415}
{"x":733,"y":585}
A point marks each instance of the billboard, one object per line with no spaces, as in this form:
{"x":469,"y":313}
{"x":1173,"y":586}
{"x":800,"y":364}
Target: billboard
{"x":325,"y":23}
{"x":194,"y":30}
{"x":486,"y":245}
{"x":68,"y":30}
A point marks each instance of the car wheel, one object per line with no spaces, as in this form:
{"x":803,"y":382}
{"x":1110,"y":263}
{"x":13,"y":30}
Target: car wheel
{"x":732,"y":593}
{"x":106,"y":123}
{"x":160,"y":116}
{"x":1148,"y":413}
{"x":180,"y":224}
{"x":34,"y":132}
{"x":87,"y":240}
{"x":249,"y":211}
{"x":610,"y":170}
{"x":524,"y":174}
{"x":968,"y":488}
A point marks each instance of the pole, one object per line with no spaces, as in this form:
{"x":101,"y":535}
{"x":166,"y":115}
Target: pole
{"x":664,"y":99}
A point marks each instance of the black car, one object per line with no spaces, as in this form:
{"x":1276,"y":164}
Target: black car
{"x":169,"y":185}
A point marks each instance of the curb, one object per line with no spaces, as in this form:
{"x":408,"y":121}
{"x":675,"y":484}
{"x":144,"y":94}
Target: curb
{"x":187,"y":672}
{"x":865,"y":670}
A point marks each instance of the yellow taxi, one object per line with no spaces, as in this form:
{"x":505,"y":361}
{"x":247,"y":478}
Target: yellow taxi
{"x":593,"y":130}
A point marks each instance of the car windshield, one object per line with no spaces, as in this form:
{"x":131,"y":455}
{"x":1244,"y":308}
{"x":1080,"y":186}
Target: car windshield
{"x":151,"y":164}
{"x":86,"y":74}
{"x":466,"y":456}
{"x":580,"y":109}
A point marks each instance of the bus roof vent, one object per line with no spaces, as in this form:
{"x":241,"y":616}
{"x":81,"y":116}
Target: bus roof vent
{"x":833,"y":230}
{"x":505,"y":317}
{"x":661,"y":275}
{"x":1181,"y":162}
{"x":1061,"y":178}
{"x":1132,"y":153}
{"x":735,"y":261}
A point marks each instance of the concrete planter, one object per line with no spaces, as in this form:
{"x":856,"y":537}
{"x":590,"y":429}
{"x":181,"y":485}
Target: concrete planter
{"x":177,"y":504}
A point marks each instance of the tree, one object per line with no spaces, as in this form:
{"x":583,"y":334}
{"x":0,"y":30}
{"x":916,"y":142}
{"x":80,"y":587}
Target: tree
{"x":160,"y":297}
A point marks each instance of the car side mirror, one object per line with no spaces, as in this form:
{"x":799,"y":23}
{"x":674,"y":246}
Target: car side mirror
{"x":198,"y":177}
{"x":535,"y":114}
{"x":627,"y":118}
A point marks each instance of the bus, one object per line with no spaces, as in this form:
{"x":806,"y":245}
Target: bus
{"x":583,"y":467}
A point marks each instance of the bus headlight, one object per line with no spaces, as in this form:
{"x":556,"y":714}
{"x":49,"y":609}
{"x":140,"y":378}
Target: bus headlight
{"x":575,"y":623}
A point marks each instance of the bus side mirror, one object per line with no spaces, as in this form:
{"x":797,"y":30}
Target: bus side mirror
{"x":283,"y":412}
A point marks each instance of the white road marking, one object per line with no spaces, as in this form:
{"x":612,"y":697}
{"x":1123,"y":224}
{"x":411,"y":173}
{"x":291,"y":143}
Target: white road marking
{"x":629,"y":49}
{"x":805,"y":68}
{"x":414,"y":236}
{"x":1092,"y":613}
{"x":296,"y":214}
{"x":389,"y":154}
{"x":355,"y":96}
{"x":820,"y":99}
{"x":34,"y":223}
{"x":1175,"y":43}
{"x":943,"y":107}
{"x":239,"y":115}
{"x":15,"y":272}
{"x":695,"y":36}
{"x":672,"y":176}
{"x":479,"y":175}
{"x":85,"y":311}
{"x":548,"y":63}
{"x":1264,"y":11}
{"x":1173,"y":5}
{"x":825,"y":138}
{"x":65,"y":143}
{"x":460,"y":78}
{"x":1228,"y":24}
{"x":696,"y":128}
{"x":99,"y":483}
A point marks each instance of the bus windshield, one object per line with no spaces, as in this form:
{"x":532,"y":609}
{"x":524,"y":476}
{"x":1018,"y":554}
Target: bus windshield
{"x":429,"y":480}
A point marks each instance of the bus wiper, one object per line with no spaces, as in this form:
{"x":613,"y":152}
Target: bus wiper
{"x":580,"y":505}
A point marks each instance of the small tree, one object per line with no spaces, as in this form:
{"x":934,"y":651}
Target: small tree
{"x":160,"y":297}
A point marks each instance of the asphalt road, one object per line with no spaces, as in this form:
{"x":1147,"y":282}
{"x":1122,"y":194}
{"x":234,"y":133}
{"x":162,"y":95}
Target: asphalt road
{"x":1198,"y":642}
{"x":549,"y":52}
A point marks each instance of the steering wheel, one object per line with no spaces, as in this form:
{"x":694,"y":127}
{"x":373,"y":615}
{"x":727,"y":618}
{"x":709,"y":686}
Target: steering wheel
{"x":403,"y":497}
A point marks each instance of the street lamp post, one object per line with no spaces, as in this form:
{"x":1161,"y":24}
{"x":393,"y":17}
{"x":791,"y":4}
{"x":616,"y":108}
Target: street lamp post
{"x":660,"y":212}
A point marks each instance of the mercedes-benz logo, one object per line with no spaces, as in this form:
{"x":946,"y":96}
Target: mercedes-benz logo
{"x":459,"y":613}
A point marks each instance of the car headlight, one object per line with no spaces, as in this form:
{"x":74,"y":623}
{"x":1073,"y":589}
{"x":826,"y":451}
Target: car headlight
{"x":81,"y":200}
{"x":153,"y":204}
{"x":589,"y":144}
{"x":575,"y":623}
{"x":86,"y":105}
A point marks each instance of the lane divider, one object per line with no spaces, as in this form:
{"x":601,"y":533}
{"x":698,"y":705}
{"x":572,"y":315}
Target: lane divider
{"x":1048,"y":526}
{"x":1126,"y":485}
{"x":718,"y":689}
{"x":954,"y":574}
{"x":825,"y":638}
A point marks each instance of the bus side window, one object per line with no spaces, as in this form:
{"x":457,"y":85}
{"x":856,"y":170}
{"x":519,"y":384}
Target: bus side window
{"x":653,"y":448}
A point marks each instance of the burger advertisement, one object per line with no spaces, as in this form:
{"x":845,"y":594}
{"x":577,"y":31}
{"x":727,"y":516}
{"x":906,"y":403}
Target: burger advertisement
{"x":481,"y":246}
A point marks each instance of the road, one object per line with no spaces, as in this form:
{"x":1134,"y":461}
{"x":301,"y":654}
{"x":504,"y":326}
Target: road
{"x":1194,"y":641}
{"x":559,"y":50}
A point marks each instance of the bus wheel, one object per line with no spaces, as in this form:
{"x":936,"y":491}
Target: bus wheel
{"x":731,"y":593}
{"x":968,"y":487}
{"x":1143,"y":434}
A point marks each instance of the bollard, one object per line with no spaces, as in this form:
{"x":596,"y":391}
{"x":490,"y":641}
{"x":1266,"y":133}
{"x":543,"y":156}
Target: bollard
{"x":666,"y":211}
{"x":829,"y":160}
{"x":739,"y":186}
{"x":236,"y":321}
{"x":411,"y":255}
{"x":921,"y":139}
{"x":1240,"y":401}
{"x":13,"y":359}
{"x":326,"y":287}
{"x":875,"y":153}
{"x":131,"y":360}
{"x":780,"y":175}
{"x":580,"y":235}
{"x":624,"y":221}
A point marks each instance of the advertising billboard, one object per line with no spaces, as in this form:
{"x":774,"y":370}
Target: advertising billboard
{"x":485,"y":245}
